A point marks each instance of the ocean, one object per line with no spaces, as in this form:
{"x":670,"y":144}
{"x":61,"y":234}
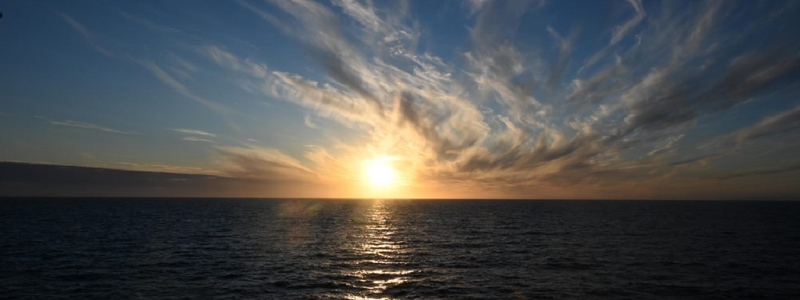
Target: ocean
{"x":397,"y":249}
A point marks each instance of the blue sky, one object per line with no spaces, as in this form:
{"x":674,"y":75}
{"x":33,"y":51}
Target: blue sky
{"x":530,"y":99}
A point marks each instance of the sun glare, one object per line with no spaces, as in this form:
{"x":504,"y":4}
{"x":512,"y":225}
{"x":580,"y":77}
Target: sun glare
{"x":380,"y":173}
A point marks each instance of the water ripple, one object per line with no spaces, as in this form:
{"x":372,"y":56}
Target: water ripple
{"x":306,"y":249}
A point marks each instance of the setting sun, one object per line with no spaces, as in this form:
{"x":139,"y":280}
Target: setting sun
{"x":380,"y":173}
{"x":385,"y":149}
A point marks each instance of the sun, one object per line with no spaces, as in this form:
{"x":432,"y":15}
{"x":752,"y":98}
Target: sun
{"x":379,"y":173}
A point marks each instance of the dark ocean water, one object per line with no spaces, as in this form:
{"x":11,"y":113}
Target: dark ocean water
{"x":350,"y":249}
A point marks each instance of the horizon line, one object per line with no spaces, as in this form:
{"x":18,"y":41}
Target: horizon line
{"x":404,"y":199}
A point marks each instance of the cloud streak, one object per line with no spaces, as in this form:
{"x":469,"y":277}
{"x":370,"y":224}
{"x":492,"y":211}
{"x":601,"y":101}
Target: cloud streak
{"x":70,"y":123}
{"x":149,"y":24}
{"x":264,"y":165}
{"x":760,"y":171}
{"x":780,"y":123}
{"x":90,"y":37}
{"x":196,"y":139}
{"x":622,"y":30}
{"x":194,"y":132}
{"x":180,"y":88}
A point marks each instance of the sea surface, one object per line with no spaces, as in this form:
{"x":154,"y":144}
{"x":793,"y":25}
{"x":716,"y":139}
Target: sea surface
{"x":397,"y":249}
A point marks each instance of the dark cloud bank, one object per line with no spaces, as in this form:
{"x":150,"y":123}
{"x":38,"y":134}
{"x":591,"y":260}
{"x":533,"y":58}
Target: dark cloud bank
{"x":44,"y":180}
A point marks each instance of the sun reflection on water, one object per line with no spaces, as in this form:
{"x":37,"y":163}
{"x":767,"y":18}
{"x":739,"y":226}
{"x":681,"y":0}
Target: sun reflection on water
{"x":381,"y":255}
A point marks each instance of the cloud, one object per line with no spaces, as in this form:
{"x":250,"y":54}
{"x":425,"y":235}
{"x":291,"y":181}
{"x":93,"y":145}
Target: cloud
{"x":88,"y":35}
{"x":155,"y":69}
{"x":183,"y":64}
{"x":309,"y":123}
{"x":196,"y":139}
{"x":774,"y":125}
{"x":230,"y":61}
{"x":324,"y":99}
{"x":780,"y":123}
{"x":669,"y":142}
{"x":149,"y":24}
{"x":566,"y":46}
{"x":161,"y":168}
{"x":476,"y":5}
{"x":498,"y":115}
{"x":71,"y":123}
{"x":760,"y":171}
{"x":527,"y":111}
{"x":193,"y":131}
{"x":672,"y":96}
{"x":622,"y":30}
{"x":264,"y":165}
{"x":702,"y":159}
{"x":48,"y":180}
{"x":181,"y":68}
{"x":361,"y":13}
{"x":497,"y":21}
{"x":266,"y":16}
{"x":173,"y":83}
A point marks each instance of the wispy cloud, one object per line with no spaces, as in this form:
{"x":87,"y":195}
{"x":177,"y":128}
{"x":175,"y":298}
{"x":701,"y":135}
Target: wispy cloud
{"x":196,"y":139}
{"x":264,"y":164}
{"x":193,"y":131}
{"x":614,"y":124}
{"x":230,"y":61}
{"x":502,"y":113}
{"x":180,"y":88}
{"x":155,"y":69}
{"x":622,"y":30}
{"x":90,"y":37}
{"x":760,"y":171}
{"x":159,"y":168}
{"x":773,"y":125}
{"x":71,"y":123}
{"x":149,"y":24}
{"x":183,"y":69}
{"x":530,"y":102}
{"x":309,"y":123}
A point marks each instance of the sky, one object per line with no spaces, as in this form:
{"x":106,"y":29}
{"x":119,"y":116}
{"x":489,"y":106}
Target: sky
{"x":458,"y":99}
